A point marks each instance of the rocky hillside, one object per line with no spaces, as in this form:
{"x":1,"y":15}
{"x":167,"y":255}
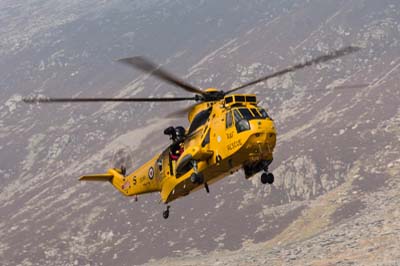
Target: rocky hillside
{"x":336,"y":195}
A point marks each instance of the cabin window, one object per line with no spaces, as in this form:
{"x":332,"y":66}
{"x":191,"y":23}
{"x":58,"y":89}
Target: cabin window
{"x":206,"y":139}
{"x":228,"y":99}
{"x":159,"y":163}
{"x":229,"y":120}
{"x":240,"y":98}
{"x":251,"y":99}
{"x":199,"y":120}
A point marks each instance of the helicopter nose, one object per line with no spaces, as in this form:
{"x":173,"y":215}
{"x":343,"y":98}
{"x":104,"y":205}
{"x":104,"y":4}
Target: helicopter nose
{"x":270,"y":133}
{"x":269,"y":128}
{"x":263,"y":140}
{"x":271,"y":137}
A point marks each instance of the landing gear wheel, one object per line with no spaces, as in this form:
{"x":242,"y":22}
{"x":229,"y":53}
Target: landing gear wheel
{"x":267,"y":178}
{"x":166,"y":213}
{"x":196,"y":179}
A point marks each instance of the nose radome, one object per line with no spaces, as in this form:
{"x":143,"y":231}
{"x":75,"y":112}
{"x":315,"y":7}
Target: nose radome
{"x":270,"y":132}
{"x":270,"y":127}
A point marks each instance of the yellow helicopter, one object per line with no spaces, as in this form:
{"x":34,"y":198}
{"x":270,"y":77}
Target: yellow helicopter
{"x":227,"y":132}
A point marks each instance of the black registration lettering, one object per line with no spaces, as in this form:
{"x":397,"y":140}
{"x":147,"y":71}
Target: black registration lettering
{"x":234,"y":145}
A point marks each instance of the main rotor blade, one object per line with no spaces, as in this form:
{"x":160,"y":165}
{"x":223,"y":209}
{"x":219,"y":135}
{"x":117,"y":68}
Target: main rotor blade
{"x":351,"y":86}
{"x":343,"y":87}
{"x":147,"y":66}
{"x":67,"y":100}
{"x":182,"y":112}
{"x":320,"y":59}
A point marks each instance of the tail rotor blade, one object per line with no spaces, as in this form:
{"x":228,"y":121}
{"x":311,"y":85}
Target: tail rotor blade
{"x":122,"y":158}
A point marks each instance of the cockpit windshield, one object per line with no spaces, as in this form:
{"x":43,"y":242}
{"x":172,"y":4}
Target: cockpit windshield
{"x":243,"y":115}
{"x":255,"y":113}
{"x":246,"y":114}
{"x":249,"y":113}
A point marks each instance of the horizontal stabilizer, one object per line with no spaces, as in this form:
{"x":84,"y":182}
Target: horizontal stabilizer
{"x":98,"y":177}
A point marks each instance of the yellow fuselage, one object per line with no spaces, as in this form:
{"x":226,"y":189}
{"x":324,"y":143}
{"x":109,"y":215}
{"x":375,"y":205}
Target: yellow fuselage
{"x":217,"y":144}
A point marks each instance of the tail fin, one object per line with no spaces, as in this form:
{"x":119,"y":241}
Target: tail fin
{"x":114,"y":176}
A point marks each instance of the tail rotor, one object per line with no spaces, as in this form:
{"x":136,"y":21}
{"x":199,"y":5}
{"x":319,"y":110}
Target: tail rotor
{"x":122,"y":159}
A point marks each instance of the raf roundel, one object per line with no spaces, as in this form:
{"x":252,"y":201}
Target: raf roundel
{"x":151,"y":172}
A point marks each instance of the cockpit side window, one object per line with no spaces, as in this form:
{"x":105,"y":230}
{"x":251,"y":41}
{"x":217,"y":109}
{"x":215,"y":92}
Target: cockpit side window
{"x":237,"y":115}
{"x":263,"y":113}
{"x":241,"y":122}
{"x":229,"y":120}
{"x":199,"y":120}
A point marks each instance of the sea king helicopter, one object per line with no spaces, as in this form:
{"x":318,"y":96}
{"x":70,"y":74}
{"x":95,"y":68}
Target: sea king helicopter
{"x":227,"y":131}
